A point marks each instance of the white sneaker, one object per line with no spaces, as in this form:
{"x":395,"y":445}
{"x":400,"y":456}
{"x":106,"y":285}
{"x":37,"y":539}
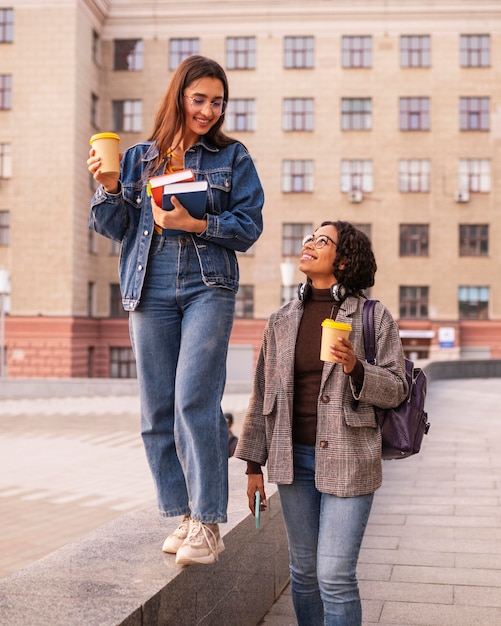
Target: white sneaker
{"x":175,"y":539}
{"x":202,"y":545}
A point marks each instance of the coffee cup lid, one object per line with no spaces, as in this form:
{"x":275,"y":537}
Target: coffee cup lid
{"x":330,"y":323}
{"x":104,"y":136}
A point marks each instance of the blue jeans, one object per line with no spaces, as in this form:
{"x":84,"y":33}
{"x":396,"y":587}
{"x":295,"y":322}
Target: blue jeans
{"x":325,"y":534}
{"x":180,"y":333}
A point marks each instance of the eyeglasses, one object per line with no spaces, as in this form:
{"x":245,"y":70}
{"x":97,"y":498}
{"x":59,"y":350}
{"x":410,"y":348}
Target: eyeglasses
{"x":319,"y":242}
{"x":197,"y":104}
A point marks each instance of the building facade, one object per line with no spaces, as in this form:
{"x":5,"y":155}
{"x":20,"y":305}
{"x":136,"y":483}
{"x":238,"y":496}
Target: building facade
{"x":385,"y":113}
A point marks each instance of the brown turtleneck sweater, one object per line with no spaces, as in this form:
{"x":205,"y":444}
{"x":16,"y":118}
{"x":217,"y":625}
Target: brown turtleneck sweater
{"x":308,"y":369}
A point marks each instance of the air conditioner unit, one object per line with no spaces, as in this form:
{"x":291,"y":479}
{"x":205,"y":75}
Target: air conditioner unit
{"x":355,"y":196}
{"x":462,"y":196}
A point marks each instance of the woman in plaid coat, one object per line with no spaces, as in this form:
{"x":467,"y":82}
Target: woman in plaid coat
{"x":313,"y":423}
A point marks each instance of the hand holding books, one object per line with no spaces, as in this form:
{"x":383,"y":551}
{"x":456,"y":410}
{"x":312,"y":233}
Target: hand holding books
{"x":191,"y":195}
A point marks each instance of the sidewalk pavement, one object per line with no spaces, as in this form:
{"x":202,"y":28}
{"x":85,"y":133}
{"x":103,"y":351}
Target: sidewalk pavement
{"x":431,"y":554}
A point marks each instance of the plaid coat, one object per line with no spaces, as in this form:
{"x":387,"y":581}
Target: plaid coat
{"x":348,"y":445}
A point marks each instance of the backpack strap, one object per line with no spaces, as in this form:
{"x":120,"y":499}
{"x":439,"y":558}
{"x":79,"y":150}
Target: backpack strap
{"x":369,"y":331}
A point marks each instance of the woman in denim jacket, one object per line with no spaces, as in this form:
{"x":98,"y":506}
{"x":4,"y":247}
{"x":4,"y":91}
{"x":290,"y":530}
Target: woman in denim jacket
{"x":180,"y":292}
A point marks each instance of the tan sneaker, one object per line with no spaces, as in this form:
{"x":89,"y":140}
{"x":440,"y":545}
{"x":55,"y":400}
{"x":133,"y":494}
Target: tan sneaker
{"x":202,"y":545}
{"x":175,"y":539}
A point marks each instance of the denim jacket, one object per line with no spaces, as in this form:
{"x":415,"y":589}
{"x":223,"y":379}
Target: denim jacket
{"x":234,"y":213}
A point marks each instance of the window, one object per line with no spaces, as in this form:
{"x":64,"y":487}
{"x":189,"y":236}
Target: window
{"x":122,"y":363}
{"x":241,"y":115}
{"x":241,"y":53}
{"x":4,"y":228}
{"x":298,"y":114}
{"x":115,"y":247}
{"x":94,"y":110}
{"x":127,"y":116}
{"x":475,"y":51}
{"x":413,"y":239}
{"x":356,"y":114}
{"x":474,"y":175}
{"x":244,"y":303}
{"x":473,"y":240}
{"x":356,"y":51}
{"x":366,"y":229}
{"x":414,"y":114}
{"x":91,"y":298}
{"x":6,"y":25}
{"x":299,"y":52}
{"x":5,"y":160}
{"x":415,"y":51}
{"x":5,"y":92}
{"x":292,"y":238}
{"x":297,"y":176}
{"x":414,"y":175}
{"x":473,"y":303}
{"x":474,"y":113}
{"x":414,"y":302}
{"x":96,"y":47}
{"x":128,"y":55}
{"x":180,"y":49}
{"x":356,"y":176}
{"x":92,"y":245}
{"x":116,"y":308}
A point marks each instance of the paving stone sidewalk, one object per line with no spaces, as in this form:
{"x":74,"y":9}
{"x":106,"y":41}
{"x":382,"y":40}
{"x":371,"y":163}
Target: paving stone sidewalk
{"x":432,"y":551}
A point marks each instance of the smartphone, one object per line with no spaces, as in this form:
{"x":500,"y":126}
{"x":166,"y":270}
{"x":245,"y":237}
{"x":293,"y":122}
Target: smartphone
{"x":257,"y":509}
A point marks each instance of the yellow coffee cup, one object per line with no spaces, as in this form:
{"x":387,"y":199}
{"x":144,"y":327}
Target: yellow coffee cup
{"x":106,"y":147}
{"x":331,"y":330}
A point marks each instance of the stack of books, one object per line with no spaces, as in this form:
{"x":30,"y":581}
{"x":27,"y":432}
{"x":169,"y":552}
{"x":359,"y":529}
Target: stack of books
{"x":191,"y":193}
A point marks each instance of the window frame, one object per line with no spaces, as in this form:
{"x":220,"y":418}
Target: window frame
{"x":181,"y":48}
{"x":474,"y":108}
{"x":5,"y":92}
{"x":5,"y":161}
{"x":298,"y":114}
{"x":299,"y":52}
{"x":4,"y":227}
{"x":473,"y":308}
{"x":414,"y":175}
{"x":478,"y":56}
{"x":297,"y":176}
{"x":413,"y":302}
{"x":356,"y":51}
{"x":121,"y":117}
{"x":414,"y":240}
{"x":6,"y":25}
{"x":128,"y":55}
{"x":473,"y":240}
{"x":357,"y":175}
{"x":474,"y":175}
{"x":415,"y":48}
{"x":240,"y":115}
{"x":241,"y":53}
{"x":244,"y":302}
{"x":412,"y":108}
{"x":122,"y":361}
{"x":293,"y":234}
{"x":356,"y":114}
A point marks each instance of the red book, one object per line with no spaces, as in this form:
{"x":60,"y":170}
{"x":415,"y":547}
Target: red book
{"x":156,"y":184}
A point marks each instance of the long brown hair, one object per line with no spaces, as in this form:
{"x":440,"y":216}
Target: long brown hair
{"x":170,"y":119}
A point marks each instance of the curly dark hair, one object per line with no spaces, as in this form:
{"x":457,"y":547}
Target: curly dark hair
{"x":355,"y":264}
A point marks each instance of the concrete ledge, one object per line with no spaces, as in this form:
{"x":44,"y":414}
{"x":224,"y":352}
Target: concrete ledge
{"x":118,"y":574}
{"x":466,"y":368}
{"x":14,"y":388}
